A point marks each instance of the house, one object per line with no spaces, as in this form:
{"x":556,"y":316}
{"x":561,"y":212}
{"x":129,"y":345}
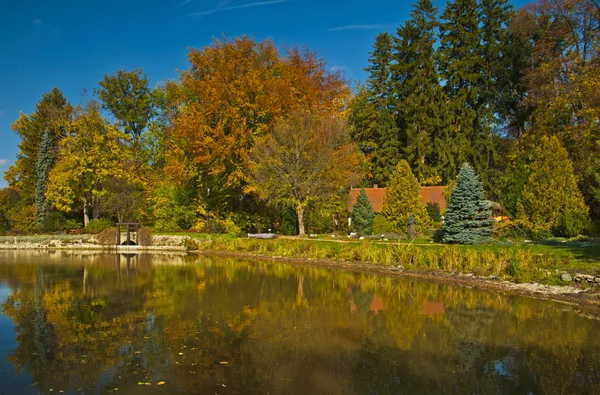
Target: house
{"x":376,"y":196}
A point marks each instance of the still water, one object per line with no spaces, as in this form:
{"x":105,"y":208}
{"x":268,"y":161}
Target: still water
{"x":101,"y":323}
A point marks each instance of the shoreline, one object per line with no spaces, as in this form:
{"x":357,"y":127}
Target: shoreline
{"x":587,"y":300}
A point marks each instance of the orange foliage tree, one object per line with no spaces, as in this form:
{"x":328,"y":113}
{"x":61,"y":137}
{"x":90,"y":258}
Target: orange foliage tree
{"x":233,"y":93}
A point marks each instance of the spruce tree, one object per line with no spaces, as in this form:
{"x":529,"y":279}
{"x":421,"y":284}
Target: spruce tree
{"x":460,"y":66}
{"x":402,"y":198}
{"x":374,"y":126}
{"x":44,"y":164}
{"x":468,"y":219}
{"x":362,"y":214}
{"x":419,"y":88}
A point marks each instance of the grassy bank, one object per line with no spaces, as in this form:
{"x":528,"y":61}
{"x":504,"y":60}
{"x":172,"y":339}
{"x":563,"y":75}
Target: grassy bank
{"x":542,"y":263}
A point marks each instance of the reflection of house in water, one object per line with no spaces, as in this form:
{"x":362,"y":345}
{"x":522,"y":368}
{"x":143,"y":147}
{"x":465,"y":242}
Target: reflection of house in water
{"x":433,"y":308}
{"x":376,"y":305}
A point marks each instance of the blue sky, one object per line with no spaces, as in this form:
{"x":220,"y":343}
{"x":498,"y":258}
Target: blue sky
{"x":71,"y":44}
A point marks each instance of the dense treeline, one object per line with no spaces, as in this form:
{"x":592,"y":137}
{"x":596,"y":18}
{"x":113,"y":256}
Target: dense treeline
{"x":249,"y":138}
{"x":513,"y":92}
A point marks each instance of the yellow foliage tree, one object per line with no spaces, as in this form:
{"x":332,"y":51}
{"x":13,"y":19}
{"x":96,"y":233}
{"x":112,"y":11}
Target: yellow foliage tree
{"x":403,"y":198}
{"x":91,"y":153}
{"x":552,"y":186}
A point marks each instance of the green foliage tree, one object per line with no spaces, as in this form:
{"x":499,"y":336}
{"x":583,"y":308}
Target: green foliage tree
{"x":306,"y":158}
{"x":551,"y":187}
{"x":403,"y":198}
{"x":362,"y":214}
{"x":468,"y":219}
{"x":44,"y":164}
{"x":128,"y":97}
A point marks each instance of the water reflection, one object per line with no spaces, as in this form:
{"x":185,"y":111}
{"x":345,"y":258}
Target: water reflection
{"x":90,"y":323}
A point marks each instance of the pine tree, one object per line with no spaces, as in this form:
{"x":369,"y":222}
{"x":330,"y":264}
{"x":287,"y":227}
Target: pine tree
{"x":362,"y":214}
{"x":44,"y":164}
{"x":50,"y":115}
{"x":374,"y":126}
{"x":460,"y":66}
{"x":468,"y":219}
{"x":419,"y":89}
{"x":551,"y":187}
{"x":403,"y":198}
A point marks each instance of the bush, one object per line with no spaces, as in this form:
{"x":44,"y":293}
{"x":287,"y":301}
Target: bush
{"x":71,"y":224}
{"x":521,"y":229}
{"x":190,"y":244}
{"x":433,"y":209}
{"x":144,"y":236}
{"x":362,"y":214}
{"x":572,"y":223}
{"x":99,"y":225}
{"x":107,"y":237}
{"x":381,"y":225}
{"x":53,"y":222}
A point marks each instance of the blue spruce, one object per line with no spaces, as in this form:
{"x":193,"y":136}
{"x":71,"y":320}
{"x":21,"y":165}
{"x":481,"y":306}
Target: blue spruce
{"x":362,"y":214}
{"x":468,"y":219}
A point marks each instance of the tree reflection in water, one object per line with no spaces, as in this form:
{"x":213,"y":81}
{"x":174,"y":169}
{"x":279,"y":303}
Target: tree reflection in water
{"x":95,"y":322}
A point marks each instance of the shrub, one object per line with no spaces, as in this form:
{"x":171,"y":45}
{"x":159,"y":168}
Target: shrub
{"x":99,"y":225}
{"x":107,"y":237}
{"x":381,"y":225}
{"x":71,"y":224}
{"x":433,"y":209}
{"x":521,"y":229}
{"x":572,"y":223}
{"x":190,"y":244}
{"x":144,"y":236}
{"x":52,"y":222}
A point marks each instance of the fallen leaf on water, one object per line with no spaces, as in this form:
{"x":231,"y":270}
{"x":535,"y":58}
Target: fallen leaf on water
{"x":224,"y":362}
{"x":142,"y":383}
{"x":161,"y":383}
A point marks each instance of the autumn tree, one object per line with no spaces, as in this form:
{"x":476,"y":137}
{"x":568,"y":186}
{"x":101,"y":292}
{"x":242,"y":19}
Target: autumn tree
{"x":307,"y":157}
{"x":233,"y":94}
{"x":90,"y":154}
{"x":403,"y":198}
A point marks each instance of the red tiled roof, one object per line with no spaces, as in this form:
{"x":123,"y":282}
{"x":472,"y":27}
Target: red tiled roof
{"x":376,"y":196}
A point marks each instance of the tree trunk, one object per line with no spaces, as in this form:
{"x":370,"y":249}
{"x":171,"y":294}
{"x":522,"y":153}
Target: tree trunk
{"x":300,"y":212}
{"x":86,"y":218}
{"x":95,"y":208}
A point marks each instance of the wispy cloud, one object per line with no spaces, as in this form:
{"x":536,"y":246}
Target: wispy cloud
{"x":2,"y":113}
{"x":236,"y":7}
{"x":357,"y":27}
{"x":337,"y":68}
{"x":37,"y":22}
{"x":4,"y":162}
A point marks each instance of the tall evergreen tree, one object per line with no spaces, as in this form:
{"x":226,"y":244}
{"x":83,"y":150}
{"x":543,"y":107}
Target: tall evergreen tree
{"x":421,"y":98}
{"x":460,"y":66}
{"x":362,"y":214}
{"x":468,"y":219}
{"x":50,"y":116}
{"x":44,"y":164}
{"x":374,"y":125}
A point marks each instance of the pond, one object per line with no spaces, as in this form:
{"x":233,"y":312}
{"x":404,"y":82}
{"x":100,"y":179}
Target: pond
{"x":91,"y":323}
